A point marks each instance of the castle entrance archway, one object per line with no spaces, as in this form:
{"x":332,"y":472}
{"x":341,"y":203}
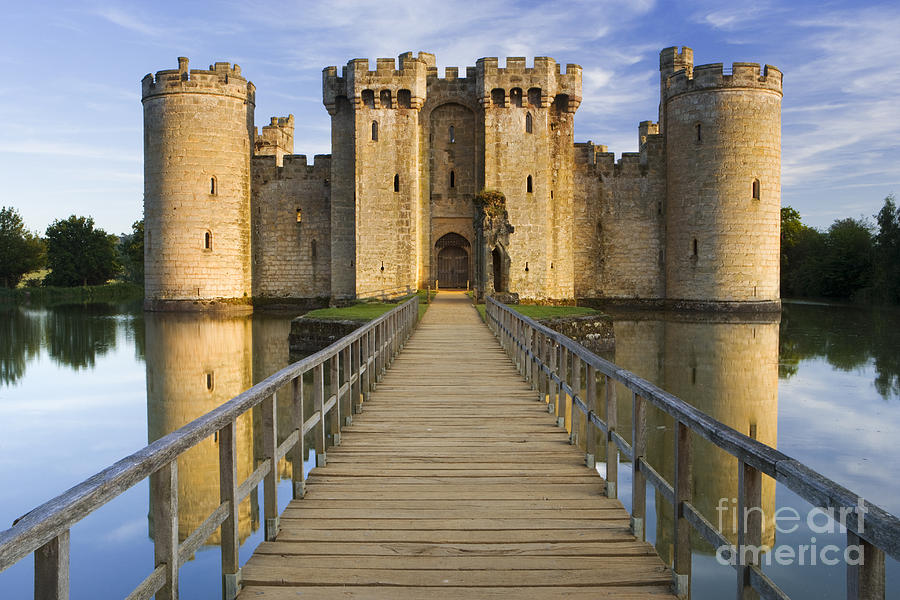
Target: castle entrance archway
{"x":453,"y":261}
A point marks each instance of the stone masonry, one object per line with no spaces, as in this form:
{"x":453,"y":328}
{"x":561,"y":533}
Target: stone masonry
{"x":691,"y":220}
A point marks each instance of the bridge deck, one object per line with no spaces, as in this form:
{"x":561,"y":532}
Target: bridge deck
{"x":454,"y":483}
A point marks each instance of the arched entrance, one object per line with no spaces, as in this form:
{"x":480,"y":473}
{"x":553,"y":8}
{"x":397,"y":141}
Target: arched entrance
{"x":452,"y":261}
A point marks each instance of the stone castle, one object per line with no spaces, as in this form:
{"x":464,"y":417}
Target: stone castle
{"x":692,"y":220}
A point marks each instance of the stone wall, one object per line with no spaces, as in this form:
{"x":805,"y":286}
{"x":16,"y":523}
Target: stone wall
{"x":198,"y":128}
{"x":291,"y":216}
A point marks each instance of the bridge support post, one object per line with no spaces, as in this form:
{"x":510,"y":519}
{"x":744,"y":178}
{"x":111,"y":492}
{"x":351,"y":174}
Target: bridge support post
{"x":318,"y":406}
{"x":270,"y":485}
{"x":334,"y":376}
{"x":612,"y":450}
{"x":231,"y":571}
{"x":638,"y":482}
{"x":576,"y":390}
{"x":865,"y":581}
{"x":590,"y":442}
{"x":749,"y":533}
{"x":297,"y":467}
{"x":682,"y":488}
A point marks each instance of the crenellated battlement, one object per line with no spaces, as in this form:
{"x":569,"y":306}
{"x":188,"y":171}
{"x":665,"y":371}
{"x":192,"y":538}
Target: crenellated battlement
{"x":220,"y":79}
{"x":387,"y":86}
{"x":293,"y":166}
{"x":597,"y":158}
{"x":545,"y":77}
{"x":714,"y":76}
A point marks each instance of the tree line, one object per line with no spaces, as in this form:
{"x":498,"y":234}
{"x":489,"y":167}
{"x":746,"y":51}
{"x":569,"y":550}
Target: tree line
{"x":75,"y":251}
{"x":854,"y":259}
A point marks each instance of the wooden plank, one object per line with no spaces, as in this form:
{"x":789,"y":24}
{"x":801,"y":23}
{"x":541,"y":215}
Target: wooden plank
{"x":540,"y":549}
{"x":457,"y":593}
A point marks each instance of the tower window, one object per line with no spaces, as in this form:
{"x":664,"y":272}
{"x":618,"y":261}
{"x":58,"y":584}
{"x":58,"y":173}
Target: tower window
{"x":385,"y":98}
{"x":452,"y":179}
{"x":755,"y":189}
{"x":207,"y":241}
{"x":397,"y":183}
{"x":528,"y":123}
{"x":210,"y":381}
{"x":312,"y":249}
{"x":699,"y":129}
{"x":212,"y":186}
{"x":404,"y":99}
{"x":299,"y":215}
{"x":368,"y":98}
{"x":694,"y":249}
{"x":528,"y":185}
{"x":452,"y":135}
{"x":374,"y":131}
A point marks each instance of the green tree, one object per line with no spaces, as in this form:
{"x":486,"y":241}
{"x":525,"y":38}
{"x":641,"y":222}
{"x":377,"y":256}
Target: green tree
{"x":887,"y":252}
{"x":20,"y":250}
{"x":78,"y":254}
{"x":847,"y":267}
{"x":131,"y":253}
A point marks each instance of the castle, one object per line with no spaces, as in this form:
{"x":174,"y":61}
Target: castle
{"x":692,"y":220}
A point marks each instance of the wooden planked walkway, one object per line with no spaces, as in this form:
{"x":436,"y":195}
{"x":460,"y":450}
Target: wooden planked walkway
{"x":454,"y":483}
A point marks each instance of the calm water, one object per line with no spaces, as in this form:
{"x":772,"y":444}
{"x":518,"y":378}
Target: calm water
{"x":80,"y":387}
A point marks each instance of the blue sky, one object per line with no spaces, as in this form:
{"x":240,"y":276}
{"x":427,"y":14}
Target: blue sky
{"x":70,"y":112}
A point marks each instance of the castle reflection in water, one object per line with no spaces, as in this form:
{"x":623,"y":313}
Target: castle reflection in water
{"x":728,"y":368}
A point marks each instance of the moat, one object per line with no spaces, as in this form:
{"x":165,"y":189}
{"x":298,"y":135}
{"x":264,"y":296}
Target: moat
{"x":82,"y":387}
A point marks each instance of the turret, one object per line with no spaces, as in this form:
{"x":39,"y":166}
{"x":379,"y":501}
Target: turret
{"x":375,"y":173}
{"x":198,"y":138}
{"x":723,"y":182}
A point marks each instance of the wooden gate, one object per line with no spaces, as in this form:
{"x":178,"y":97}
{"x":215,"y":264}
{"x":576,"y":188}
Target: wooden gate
{"x":452,"y":261}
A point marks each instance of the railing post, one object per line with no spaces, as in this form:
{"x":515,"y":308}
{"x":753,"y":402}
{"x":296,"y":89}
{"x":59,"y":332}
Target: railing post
{"x":297,"y":467}
{"x":532,"y":359}
{"x":576,"y":390}
{"x":639,"y":449}
{"x":228,"y":485}
{"x":865,"y":581}
{"x":749,"y":533}
{"x":335,"y":378}
{"x":356,"y":376}
{"x":612,"y":450}
{"x":683,"y":475}
{"x":590,"y":444}
{"x":319,"y":405}
{"x":164,"y":495}
{"x":270,"y":486}
{"x":552,"y":387}
{"x":347,"y":371}
{"x":563,"y":373}
{"x":51,"y":569}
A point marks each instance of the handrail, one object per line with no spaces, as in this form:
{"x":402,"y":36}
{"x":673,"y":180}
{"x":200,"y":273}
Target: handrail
{"x":356,"y":362}
{"x":541,"y":355}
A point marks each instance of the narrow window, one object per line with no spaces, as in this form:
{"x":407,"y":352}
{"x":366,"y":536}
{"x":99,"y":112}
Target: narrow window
{"x":396,"y":183}
{"x":299,"y":215}
{"x":699,"y":134}
{"x":404,"y":99}
{"x":374,"y":131}
{"x":452,"y":133}
{"x":210,"y":381}
{"x":212,"y":186}
{"x":756,"y":189}
{"x":528,"y":124}
{"x":695,"y":248}
{"x":207,"y":241}
{"x":515,"y":97}
{"x":452,"y":179}
{"x":385,"y":98}
{"x":368,"y":98}
{"x":312,"y":249}
{"x":528,"y":186}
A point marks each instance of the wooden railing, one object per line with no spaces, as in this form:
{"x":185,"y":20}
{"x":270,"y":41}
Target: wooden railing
{"x":355,"y":363}
{"x":555,"y":365}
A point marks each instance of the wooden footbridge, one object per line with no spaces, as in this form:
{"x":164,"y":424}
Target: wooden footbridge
{"x":453,"y":482}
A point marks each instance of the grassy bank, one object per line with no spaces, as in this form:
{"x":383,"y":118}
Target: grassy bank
{"x":48,"y":296}
{"x":539,"y":311}
{"x":365,"y":311}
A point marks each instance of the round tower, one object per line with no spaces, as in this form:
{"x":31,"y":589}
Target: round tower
{"x":723,"y":198}
{"x":198,"y":134}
